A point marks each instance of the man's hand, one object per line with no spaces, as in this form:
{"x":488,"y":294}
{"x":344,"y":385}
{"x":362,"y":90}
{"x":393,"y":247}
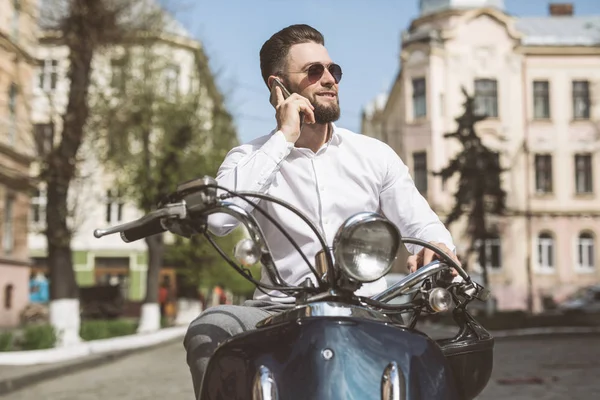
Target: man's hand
{"x":287,"y":113}
{"x":425,"y":256}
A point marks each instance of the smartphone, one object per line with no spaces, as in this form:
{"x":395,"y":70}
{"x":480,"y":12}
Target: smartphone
{"x":286,"y":94}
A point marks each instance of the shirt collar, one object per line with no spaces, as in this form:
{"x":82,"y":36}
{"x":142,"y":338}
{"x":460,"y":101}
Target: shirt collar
{"x":335,"y":139}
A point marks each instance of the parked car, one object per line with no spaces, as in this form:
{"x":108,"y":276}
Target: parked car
{"x":586,"y":300}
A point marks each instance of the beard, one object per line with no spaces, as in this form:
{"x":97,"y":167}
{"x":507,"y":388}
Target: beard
{"x":326,"y":113}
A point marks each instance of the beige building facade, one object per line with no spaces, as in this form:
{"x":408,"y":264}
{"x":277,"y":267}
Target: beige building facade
{"x":18,"y":31}
{"x":538,"y":81}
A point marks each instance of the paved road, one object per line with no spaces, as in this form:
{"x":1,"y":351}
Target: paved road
{"x":162,"y":374}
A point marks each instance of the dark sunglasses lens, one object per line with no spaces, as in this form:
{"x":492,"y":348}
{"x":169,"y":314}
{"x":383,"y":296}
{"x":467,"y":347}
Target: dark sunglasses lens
{"x":315,"y":72}
{"x":336,"y":71}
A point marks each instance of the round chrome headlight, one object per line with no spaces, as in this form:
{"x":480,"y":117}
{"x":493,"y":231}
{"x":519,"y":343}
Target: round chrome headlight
{"x":366,"y":246}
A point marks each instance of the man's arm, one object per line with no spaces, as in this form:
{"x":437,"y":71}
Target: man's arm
{"x":402,"y":204}
{"x":246,"y":168}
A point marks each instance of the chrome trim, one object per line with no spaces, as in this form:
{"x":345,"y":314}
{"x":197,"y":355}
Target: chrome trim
{"x":346,"y":230}
{"x":200,"y":193}
{"x":321,"y":264}
{"x":323,"y":309}
{"x":401,"y":287}
{"x":264,"y":386}
{"x":393,"y":385}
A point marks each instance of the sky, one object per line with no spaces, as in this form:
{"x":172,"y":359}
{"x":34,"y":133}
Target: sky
{"x":363,"y":36}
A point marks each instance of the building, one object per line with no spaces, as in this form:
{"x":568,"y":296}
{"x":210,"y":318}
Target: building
{"x":18,"y":31}
{"x":94,"y":198}
{"x":538,"y":81}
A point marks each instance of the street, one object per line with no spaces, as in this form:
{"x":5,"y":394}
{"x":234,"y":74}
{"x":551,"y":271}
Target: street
{"x":569,"y":366}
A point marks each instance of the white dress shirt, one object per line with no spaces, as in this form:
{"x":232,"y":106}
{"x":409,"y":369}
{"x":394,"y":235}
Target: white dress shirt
{"x":351,"y":173}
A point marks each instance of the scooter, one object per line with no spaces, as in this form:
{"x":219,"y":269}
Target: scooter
{"x":333,"y":344}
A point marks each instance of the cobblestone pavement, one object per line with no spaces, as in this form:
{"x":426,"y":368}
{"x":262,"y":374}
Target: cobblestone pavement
{"x":568,"y":366}
{"x":160,"y":373}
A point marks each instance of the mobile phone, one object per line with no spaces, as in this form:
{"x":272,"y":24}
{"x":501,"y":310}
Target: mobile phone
{"x":286,"y":94}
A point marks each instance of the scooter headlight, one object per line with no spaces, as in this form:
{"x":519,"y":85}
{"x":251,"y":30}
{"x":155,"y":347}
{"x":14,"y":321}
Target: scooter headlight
{"x":365,"y":246}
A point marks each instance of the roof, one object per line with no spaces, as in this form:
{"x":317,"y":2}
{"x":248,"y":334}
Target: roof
{"x":560,"y":31}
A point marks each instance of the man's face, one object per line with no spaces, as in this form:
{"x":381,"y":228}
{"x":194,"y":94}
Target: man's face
{"x":321,"y":92}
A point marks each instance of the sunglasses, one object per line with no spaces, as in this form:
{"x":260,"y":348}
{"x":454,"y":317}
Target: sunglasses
{"x":315,"y":72}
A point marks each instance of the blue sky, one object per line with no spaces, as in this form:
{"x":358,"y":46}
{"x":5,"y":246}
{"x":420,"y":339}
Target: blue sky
{"x":363,"y":36}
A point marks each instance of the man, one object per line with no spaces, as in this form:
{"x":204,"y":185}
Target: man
{"x":327,"y":172}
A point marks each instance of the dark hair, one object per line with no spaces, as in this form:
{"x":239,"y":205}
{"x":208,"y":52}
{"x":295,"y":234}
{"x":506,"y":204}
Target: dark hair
{"x":275,"y":50}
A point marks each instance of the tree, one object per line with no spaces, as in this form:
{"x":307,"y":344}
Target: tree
{"x":479,"y":192}
{"x":84,"y":27}
{"x":154,"y":135}
{"x":202,"y":266}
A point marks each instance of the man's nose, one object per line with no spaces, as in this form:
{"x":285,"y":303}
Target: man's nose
{"x":327,"y":79}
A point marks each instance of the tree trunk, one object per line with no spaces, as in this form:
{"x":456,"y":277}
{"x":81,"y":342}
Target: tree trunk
{"x":60,"y":170}
{"x":150,"y":318}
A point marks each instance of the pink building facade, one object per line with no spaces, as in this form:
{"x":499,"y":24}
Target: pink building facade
{"x":538,"y":81}
{"x":18,"y":34}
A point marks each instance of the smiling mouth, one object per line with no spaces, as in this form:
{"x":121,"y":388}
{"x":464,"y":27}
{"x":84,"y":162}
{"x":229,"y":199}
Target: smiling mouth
{"x":327,"y":95}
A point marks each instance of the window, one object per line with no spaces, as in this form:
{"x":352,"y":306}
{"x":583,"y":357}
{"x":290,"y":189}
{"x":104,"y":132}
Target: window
{"x":419,"y":98}
{"x":15,"y":20}
{"x":8,"y":296}
{"x":543,"y":173}
{"x":545,"y":251}
{"x":114,"y":207}
{"x":12,"y":111}
{"x":8,"y":222}
{"x":44,"y":138}
{"x":420,"y":171}
{"x":493,"y":252}
{"x":118,"y":73}
{"x":486,"y":97}
{"x":581,"y":100}
{"x":541,"y":100}
{"x":585,"y":251}
{"x":171,"y":78}
{"x":38,"y":206}
{"x":48,"y":75}
{"x":583,"y":173}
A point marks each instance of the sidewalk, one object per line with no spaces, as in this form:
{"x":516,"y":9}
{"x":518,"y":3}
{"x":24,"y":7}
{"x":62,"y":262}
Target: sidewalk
{"x":20,"y":369}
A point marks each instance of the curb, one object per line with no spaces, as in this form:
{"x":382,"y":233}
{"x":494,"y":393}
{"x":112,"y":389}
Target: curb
{"x":555,"y":331}
{"x":79,"y":364}
{"x":518,"y":333}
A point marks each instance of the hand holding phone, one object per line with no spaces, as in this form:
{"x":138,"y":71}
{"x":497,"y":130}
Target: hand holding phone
{"x":290,"y":110}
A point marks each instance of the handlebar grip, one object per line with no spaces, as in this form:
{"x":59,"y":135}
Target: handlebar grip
{"x":152,"y":227}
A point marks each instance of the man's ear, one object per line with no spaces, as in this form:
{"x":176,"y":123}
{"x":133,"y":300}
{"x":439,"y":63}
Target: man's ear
{"x":270,"y":80}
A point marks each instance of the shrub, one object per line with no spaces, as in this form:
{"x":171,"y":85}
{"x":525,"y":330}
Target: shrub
{"x":6,"y":341}
{"x":104,"y":329}
{"x":38,"y":337}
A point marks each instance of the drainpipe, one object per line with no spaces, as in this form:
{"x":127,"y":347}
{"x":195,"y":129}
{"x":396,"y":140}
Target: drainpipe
{"x":528,"y":229}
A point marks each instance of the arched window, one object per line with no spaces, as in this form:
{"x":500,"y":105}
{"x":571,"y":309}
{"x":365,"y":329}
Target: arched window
{"x":545,"y":251}
{"x":8,"y":295}
{"x":585,"y":250}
